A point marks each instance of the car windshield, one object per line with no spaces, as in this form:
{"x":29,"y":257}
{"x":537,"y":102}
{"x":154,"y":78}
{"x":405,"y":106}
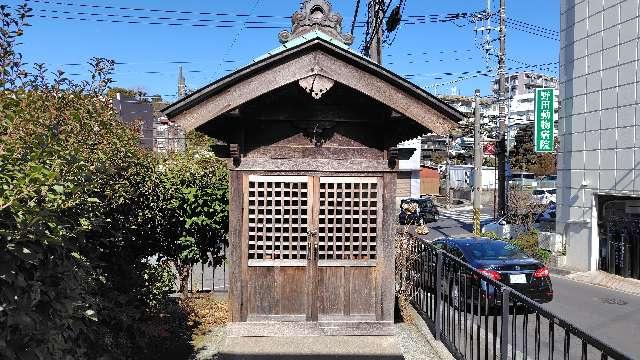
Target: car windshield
{"x":538,"y":192}
{"x":492,"y":250}
{"x":552,"y":191}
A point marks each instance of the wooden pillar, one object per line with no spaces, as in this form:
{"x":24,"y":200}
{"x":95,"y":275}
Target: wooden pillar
{"x":235,"y":241}
{"x":389,"y":218}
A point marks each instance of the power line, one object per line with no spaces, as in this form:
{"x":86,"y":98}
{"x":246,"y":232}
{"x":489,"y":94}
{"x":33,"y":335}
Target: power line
{"x":515,"y":27}
{"x":545,"y":29}
{"x":434,"y":18}
{"x":127,"y":20}
{"x":532,"y":29}
{"x":94,"y":6}
{"x":466,"y":75}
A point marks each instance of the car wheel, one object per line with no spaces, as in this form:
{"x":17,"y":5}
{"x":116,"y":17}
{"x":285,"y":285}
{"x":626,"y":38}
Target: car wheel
{"x":436,"y":217}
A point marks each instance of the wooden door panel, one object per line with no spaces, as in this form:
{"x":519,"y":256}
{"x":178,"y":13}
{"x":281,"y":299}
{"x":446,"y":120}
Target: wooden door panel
{"x":362,"y":291}
{"x":263,"y":295}
{"x":349,"y":221}
{"x":293,"y":297}
{"x":277,"y":247}
{"x":331,"y":289}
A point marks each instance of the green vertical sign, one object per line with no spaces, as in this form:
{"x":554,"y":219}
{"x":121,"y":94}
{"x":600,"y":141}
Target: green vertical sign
{"x":544,"y":138}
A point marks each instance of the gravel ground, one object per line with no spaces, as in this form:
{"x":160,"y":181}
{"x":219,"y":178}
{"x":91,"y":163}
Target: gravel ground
{"x":207,"y":347}
{"x":412,"y":343}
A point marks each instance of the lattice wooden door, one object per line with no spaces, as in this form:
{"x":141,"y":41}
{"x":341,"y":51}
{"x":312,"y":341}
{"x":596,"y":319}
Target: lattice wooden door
{"x":349,"y":221}
{"x":311,"y":247}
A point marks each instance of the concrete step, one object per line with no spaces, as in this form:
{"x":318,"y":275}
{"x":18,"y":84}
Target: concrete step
{"x":311,"y":347}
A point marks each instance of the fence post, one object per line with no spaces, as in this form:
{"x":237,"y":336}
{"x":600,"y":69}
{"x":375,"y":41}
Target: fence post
{"x":504,"y":331}
{"x":438,"y":318}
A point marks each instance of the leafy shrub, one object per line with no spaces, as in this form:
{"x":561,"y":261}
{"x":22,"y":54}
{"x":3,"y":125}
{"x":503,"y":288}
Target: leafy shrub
{"x":189,"y":216}
{"x":76,"y":191}
{"x":159,"y":281}
{"x":528,"y":242}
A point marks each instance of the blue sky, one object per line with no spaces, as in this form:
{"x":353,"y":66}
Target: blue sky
{"x":149,"y":54}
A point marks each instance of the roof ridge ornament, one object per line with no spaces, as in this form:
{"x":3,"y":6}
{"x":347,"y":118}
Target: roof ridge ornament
{"x":316,"y":15}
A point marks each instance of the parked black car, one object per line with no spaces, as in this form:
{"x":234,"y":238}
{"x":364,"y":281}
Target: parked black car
{"x":426,"y":212}
{"x":502,"y":262}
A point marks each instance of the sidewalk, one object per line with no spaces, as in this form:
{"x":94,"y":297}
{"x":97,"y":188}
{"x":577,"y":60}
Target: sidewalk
{"x":604,"y":279}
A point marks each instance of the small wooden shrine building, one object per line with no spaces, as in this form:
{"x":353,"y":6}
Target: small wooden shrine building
{"x":310,"y":130}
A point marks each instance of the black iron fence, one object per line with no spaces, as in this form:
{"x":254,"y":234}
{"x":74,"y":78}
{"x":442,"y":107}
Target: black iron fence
{"x":477,"y":317}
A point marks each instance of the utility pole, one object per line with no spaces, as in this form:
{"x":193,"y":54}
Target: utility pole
{"x":501,"y":143}
{"x":477,"y":167}
{"x":375,"y":24}
{"x":448,"y":182}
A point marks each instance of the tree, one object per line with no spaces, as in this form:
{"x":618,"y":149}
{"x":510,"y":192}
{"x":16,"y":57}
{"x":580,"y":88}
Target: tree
{"x":73,"y":182}
{"x":522,"y":209}
{"x":112,"y":92}
{"x":523,"y":156}
{"x":82,"y":207}
{"x":190,"y":215}
{"x":545,"y":165}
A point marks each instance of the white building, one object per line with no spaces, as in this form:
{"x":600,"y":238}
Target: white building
{"x":408,"y":185}
{"x":524,"y":83}
{"x":599,"y":160}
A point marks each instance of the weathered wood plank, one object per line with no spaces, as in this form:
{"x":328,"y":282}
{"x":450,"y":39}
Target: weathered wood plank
{"x":312,"y":251}
{"x":244,"y":249}
{"x":347,"y":275}
{"x":331,"y":287}
{"x":293,"y":297}
{"x":362,"y":291}
{"x":313,"y":152}
{"x":264,"y":294}
{"x":235,"y":244}
{"x":310,"y":165}
{"x":386,"y":262}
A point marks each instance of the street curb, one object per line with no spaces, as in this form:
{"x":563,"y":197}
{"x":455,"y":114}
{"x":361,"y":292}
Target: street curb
{"x":438,"y":347}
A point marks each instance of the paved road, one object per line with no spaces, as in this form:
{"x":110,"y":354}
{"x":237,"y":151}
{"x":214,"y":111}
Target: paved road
{"x":456,"y":223}
{"x":609,"y":315}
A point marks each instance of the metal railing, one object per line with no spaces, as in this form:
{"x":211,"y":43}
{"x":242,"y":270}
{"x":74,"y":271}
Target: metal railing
{"x":476,"y":317}
{"x":206,"y":278}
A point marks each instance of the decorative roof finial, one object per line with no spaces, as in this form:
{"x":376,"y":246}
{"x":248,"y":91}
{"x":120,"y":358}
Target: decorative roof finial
{"x":316,"y":15}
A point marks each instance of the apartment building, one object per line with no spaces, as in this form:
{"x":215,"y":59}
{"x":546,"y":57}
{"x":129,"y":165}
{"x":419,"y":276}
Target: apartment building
{"x":598,"y":196}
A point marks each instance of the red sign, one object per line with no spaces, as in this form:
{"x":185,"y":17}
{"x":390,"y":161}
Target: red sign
{"x":489,"y":149}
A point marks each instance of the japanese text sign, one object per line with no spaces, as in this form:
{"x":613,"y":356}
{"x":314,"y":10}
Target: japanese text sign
{"x":544,"y":112}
